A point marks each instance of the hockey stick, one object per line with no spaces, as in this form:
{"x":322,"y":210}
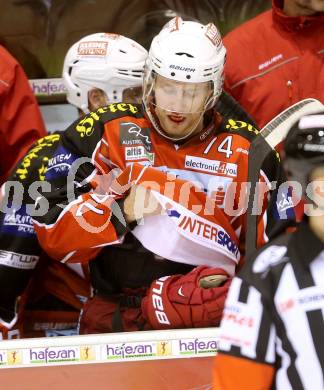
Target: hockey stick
{"x":272,"y":134}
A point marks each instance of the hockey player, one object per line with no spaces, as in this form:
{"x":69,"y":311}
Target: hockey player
{"x":272,"y":326}
{"x":167,"y":266}
{"x":99,"y":69}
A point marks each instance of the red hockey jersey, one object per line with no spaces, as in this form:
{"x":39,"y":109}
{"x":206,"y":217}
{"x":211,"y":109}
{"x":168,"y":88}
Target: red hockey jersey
{"x":80,"y":220}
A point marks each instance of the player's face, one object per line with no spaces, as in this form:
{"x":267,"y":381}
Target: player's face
{"x":308,"y":7}
{"x":179,"y":106}
{"x":97,"y":98}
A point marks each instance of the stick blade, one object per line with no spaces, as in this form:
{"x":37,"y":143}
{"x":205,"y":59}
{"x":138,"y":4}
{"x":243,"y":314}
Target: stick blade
{"x":276,"y":130}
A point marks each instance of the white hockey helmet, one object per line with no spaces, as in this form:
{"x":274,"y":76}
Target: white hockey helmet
{"x":110,"y":62}
{"x":187,"y":52}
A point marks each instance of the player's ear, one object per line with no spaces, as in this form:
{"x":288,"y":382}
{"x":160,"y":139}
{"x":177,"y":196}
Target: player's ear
{"x":97,"y":98}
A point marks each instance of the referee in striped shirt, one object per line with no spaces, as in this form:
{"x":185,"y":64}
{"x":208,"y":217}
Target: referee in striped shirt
{"x":272,"y":331}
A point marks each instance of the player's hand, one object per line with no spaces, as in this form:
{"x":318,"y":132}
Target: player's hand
{"x":140,"y":203}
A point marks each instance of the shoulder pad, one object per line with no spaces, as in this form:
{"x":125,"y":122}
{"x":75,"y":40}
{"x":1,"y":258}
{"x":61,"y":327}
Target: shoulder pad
{"x":90,"y":127}
{"x":86,"y":125}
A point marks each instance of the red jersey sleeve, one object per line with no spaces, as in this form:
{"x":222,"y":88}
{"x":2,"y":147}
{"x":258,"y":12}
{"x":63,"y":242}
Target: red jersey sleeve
{"x":21,"y":121}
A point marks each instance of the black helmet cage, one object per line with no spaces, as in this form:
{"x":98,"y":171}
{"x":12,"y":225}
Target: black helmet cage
{"x":304,"y":151}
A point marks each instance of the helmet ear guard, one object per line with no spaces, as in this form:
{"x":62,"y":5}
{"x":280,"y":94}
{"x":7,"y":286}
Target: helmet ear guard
{"x":110,"y":62}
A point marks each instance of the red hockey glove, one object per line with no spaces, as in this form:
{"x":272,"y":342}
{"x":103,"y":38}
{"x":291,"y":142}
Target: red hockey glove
{"x":187,"y":301}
